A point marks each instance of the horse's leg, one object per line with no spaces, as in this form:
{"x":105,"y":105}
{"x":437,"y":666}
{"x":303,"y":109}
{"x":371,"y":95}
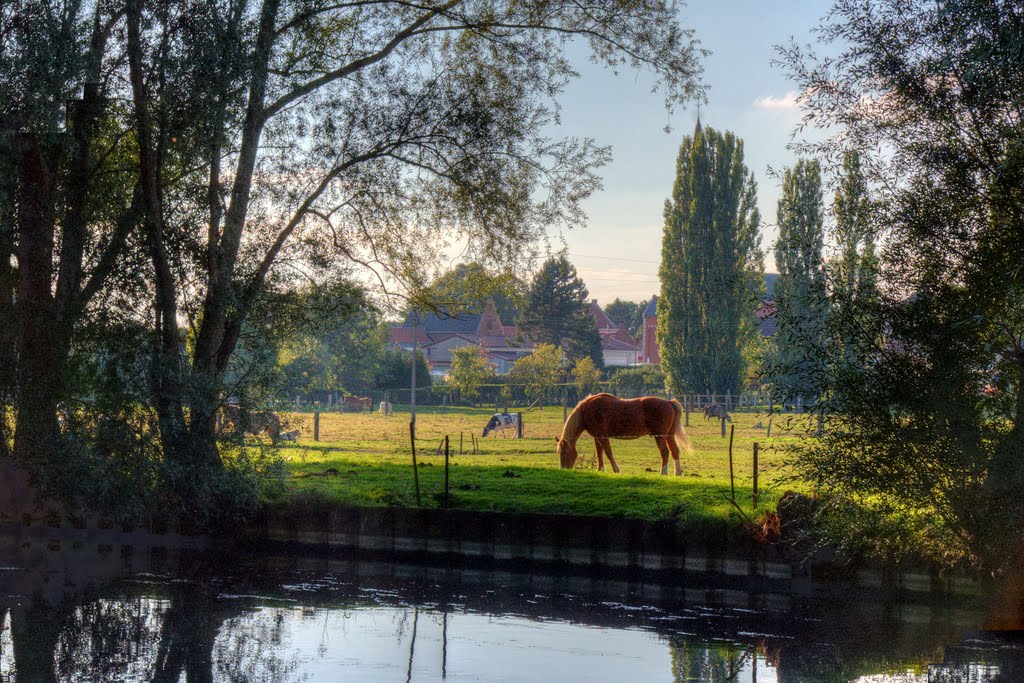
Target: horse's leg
{"x":673,"y":448}
{"x":607,"y":444}
{"x":663,"y":448}
{"x":600,"y":454}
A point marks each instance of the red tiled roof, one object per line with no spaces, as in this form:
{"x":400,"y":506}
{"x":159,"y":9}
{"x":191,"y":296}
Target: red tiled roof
{"x":613,"y":344}
{"x":404,"y":335}
{"x":602,"y":319}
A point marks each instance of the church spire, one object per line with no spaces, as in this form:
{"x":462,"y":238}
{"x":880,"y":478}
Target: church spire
{"x":697,"y":128}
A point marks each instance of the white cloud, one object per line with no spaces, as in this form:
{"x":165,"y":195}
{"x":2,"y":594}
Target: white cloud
{"x":791,"y":100}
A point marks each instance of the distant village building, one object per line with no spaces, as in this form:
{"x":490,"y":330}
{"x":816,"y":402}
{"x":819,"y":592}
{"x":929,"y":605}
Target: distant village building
{"x":617,"y":346}
{"x":437,"y":336}
{"x":649,"y":351}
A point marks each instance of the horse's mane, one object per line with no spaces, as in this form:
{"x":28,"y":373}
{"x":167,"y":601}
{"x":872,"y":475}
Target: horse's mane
{"x":572,"y":428}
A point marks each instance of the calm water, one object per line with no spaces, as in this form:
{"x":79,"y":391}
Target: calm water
{"x":74,"y":615}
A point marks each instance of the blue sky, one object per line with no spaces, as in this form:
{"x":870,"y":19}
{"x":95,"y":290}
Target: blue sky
{"x":617,"y":255}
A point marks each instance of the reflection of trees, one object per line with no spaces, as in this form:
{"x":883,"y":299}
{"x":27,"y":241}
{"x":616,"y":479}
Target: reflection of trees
{"x":707,"y":662}
{"x":107,"y":639}
{"x":34,"y":633}
{"x":250,"y":648}
{"x":187,"y":631}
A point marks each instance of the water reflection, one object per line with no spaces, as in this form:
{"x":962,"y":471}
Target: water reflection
{"x":282,"y":620}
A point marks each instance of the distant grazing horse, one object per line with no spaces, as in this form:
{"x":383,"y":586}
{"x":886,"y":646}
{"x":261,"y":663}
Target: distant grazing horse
{"x":503,"y":421}
{"x":292,"y":435}
{"x":716,"y":410}
{"x":386,"y":408}
{"x":606,"y":417}
{"x":355,"y":404}
{"x":252,"y":422}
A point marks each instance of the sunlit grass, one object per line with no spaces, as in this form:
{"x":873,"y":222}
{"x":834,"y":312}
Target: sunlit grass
{"x":371,"y":454}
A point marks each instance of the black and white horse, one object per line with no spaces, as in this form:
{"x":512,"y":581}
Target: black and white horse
{"x":503,"y":421}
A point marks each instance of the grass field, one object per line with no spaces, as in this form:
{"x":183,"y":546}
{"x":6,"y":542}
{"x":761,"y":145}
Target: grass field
{"x":371,"y":454}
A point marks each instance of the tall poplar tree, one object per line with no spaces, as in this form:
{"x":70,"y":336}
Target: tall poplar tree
{"x":797,"y":346}
{"x":711,"y":265}
{"x":854,"y":273}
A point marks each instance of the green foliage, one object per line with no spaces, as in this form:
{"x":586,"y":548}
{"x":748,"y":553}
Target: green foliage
{"x":340,"y":348}
{"x":470,"y":368}
{"x":394,"y":372}
{"x":468,"y":288}
{"x":540,"y":370}
{"x":628,"y":315}
{"x":585,"y":375}
{"x":645,"y":380}
{"x":711,"y":265}
{"x":556,"y":311}
{"x":795,"y":360}
{"x":924,"y":407}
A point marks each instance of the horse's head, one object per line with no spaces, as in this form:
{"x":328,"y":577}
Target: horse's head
{"x":567,"y":453}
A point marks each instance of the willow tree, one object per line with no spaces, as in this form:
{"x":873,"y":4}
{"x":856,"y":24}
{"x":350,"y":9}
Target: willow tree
{"x":368,"y":136}
{"x":711,"y":265}
{"x":928,"y":437}
{"x":237,"y":147}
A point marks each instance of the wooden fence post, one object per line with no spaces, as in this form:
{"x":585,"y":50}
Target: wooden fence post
{"x":754,"y":495}
{"x":686,"y":407}
{"x":519,"y":425}
{"x":723,"y":423}
{"x":316,"y":424}
{"x":732,"y":479}
{"x":415,"y":470}
{"x":460,"y":443}
{"x":446,"y":471}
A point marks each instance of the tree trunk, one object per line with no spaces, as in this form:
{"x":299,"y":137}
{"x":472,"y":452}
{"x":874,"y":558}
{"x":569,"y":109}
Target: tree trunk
{"x":42,"y":347}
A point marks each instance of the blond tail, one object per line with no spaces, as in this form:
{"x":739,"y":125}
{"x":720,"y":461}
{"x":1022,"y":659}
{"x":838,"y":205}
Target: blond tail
{"x":678,"y":432}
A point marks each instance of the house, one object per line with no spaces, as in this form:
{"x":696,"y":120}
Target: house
{"x":617,"y":346}
{"x":766,"y":309}
{"x":438,"y":335}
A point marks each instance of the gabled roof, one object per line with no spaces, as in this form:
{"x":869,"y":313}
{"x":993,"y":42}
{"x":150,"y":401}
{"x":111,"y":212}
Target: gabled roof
{"x":405,"y":335}
{"x":600,"y":317}
{"x":431,"y":322}
{"x":446,"y":337}
{"x":613,"y":344}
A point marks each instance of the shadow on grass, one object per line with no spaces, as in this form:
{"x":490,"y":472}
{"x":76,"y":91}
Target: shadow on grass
{"x":690,"y":505}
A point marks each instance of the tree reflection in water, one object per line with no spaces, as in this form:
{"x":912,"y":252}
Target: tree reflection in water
{"x":309,"y":624}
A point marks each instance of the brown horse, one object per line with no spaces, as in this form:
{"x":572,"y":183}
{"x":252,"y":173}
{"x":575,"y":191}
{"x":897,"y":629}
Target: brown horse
{"x":606,"y":417}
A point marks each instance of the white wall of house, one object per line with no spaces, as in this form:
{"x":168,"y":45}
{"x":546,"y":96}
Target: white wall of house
{"x":619,"y":358}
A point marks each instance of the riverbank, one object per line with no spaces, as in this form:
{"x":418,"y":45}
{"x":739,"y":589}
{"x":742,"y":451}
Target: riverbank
{"x":659,"y":555}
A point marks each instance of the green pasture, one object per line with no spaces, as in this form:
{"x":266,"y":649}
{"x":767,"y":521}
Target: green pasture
{"x":372,"y":458}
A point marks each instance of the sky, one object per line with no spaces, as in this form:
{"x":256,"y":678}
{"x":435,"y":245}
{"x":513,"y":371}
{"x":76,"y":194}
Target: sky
{"x":617,"y":254}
